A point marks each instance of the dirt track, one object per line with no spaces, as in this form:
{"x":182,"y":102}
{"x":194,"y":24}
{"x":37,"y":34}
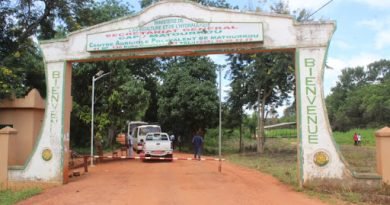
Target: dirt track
{"x":178,"y":182}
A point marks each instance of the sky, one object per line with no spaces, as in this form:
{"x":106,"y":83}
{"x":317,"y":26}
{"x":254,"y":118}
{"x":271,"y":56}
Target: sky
{"x":362,"y":35}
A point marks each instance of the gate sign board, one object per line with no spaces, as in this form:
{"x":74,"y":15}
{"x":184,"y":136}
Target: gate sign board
{"x":175,"y":31}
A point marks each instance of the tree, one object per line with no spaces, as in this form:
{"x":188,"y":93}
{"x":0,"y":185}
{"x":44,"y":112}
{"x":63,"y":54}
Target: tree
{"x":237,"y":96}
{"x":20,"y":23}
{"x":121,"y":96}
{"x":98,"y":12}
{"x":9,"y":83}
{"x":270,"y":79}
{"x":23,"y":21}
{"x":359,"y":98}
{"x":265,"y":80}
{"x":188,"y":96}
{"x":378,"y":71}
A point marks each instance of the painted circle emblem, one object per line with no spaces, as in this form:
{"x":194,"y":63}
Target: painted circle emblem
{"x":47,"y":154}
{"x":321,"y":158}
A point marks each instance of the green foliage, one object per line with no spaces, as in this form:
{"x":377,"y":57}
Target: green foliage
{"x":261,"y":81}
{"x":98,"y":12}
{"x":9,"y":197}
{"x":188,"y":96}
{"x":270,"y":76}
{"x":21,"y":20}
{"x":21,"y":71}
{"x":119,"y":97}
{"x":346,"y":138}
{"x":10,"y":83}
{"x":250,"y":122}
{"x":361,"y":98}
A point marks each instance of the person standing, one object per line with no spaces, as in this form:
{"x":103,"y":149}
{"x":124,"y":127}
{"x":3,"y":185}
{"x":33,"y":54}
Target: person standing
{"x":197,"y":141}
{"x":359,"y":139}
{"x":179,"y":142}
{"x":173,"y":140}
{"x":130,"y":146}
{"x":355,"y":139}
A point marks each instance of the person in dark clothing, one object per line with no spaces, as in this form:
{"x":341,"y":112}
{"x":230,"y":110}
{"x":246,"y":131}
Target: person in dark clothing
{"x":179,"y":142}
{"x":197,"y":141}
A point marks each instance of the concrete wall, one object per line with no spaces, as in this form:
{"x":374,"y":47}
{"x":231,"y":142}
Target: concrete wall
{"x":382,"y":152}
{"x":26,"y":116}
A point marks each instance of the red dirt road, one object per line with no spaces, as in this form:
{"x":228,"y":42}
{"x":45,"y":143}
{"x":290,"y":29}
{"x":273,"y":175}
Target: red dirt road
{"x":171,"y":183}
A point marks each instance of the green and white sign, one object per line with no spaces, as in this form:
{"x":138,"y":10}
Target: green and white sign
{"x":175,"y":31}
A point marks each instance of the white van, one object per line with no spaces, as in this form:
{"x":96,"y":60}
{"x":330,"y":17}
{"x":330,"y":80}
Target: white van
{"x":131,"y":125}
{"x":139,"y":134}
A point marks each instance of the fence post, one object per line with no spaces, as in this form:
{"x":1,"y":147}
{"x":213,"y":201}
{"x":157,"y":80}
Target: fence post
{"x":86,"y":163}
{"x":382,"y":153}
{"x":5,"y":134}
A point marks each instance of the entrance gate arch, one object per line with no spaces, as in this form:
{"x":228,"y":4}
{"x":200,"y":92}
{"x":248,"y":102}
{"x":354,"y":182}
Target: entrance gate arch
{"x":178,"y":27}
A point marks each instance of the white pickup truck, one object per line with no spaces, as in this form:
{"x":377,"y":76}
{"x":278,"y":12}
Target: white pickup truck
{"x":158,"y":144}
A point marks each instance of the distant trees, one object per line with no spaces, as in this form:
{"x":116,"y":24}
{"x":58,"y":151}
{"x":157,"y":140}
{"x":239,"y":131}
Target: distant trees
{"x":262,"y":81}
{"x":361,"y":98}
{"x":188,"y":99}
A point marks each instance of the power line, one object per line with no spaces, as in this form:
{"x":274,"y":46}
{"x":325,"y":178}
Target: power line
{"x":320,"y":8}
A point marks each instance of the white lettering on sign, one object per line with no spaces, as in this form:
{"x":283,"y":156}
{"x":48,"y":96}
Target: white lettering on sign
{"x":311,"y":108}
{"x":175,"y":31}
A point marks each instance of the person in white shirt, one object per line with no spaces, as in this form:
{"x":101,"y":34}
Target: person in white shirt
{"x":359,"y":139}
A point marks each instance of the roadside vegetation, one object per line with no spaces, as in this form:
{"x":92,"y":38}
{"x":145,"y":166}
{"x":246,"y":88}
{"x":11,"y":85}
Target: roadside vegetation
{"x":8,"y":197}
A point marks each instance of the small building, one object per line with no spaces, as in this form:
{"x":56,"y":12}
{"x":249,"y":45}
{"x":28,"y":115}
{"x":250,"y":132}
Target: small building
{"x":26,"y":116}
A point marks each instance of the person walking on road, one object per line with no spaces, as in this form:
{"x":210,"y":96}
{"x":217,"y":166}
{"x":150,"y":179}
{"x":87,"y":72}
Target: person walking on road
{"x":197,"y":141}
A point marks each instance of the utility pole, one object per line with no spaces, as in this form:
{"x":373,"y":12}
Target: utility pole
{"x":98,"y":76}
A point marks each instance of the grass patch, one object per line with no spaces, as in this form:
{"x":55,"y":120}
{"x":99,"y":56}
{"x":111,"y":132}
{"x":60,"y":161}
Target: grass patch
{"x":346,"y":138}
{"x":360,"y":158}
{"x":8,"y":197}
{"x":280,"y":163}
